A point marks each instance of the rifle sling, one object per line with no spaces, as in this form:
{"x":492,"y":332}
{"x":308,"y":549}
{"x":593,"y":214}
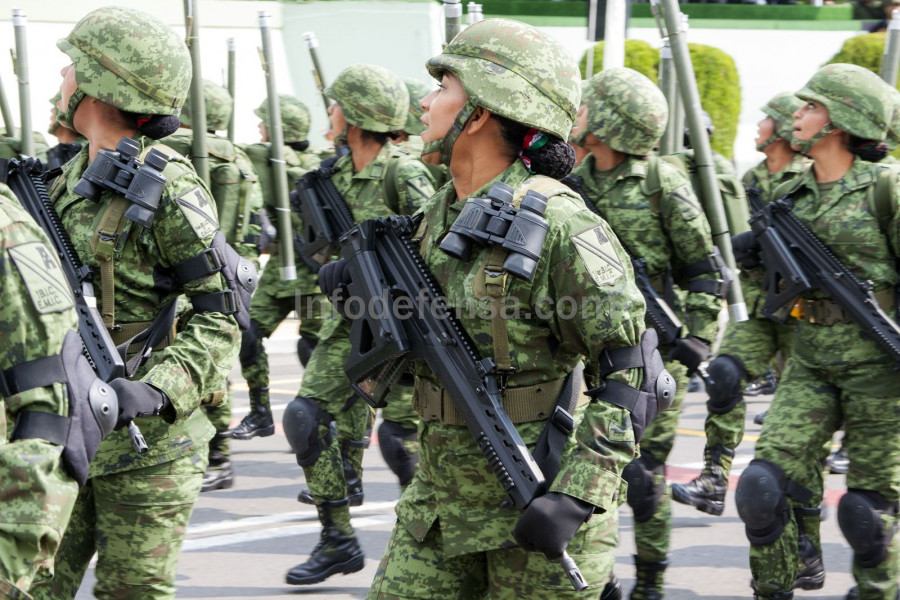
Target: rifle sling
{"x":37,"y":373}
{"x":32,"y":424}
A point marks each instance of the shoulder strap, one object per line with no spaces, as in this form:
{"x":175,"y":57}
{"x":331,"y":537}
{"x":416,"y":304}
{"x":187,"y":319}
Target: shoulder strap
{"x":652,"y":187}
{"x":389,"y":184}
{"x":880,"y":196}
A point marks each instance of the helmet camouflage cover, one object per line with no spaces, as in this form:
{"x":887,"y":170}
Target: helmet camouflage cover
{"x":417,"y":90}
{"x":858,"y":101}
{"x":515,"y":71}
{"x":626,"y":111}
{"x":371,"y":97}
{"x":294,"y":117}
{"x":130,"y":60}
{"x":219,"y":106}
{"x":782,"y":108}
{"x":893,"y":132}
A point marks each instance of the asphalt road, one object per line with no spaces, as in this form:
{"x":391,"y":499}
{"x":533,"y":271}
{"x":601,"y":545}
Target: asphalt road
{"x":241,"y":541}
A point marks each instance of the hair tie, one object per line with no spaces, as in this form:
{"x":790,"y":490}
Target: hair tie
{"x":534,"y":140}
{"x":141,"y":121}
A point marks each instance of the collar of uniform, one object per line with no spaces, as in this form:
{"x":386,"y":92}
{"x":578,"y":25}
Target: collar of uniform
{"x":514,"y":174}
{"x":375,"y":169}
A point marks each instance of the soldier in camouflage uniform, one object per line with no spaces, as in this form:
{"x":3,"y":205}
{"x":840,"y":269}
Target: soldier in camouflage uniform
{"x":70,"y":142}
{"x":326,"y":423}
{"x":750,"y":347}
{"x":238,"y":195}
{"x":275,"y":298}
{"x":38,"y":480}
{"x":652,"y":209}
{"x":506,"y":101}
{"x":835,"y":374}
{"x":134,"y":509}
{"x":11,"y":147}
{"x":409,"y":139}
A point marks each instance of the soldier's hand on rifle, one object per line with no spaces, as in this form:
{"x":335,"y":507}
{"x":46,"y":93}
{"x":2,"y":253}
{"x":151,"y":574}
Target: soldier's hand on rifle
{"x":746,"y":249}
{"x":334,"y":278}
{"x":690,"y":351}
{"x":549,"y":522}
{"x":139,"y":399}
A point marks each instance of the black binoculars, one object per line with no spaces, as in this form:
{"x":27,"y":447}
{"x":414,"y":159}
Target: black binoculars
{"x":121,"y":171}
{"x":494,"y":220}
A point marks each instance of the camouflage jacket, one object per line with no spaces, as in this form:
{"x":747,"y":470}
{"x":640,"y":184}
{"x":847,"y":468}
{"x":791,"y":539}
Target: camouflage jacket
{"x":11,"y":147}
{"x":671,"y":235}
{"x":235,"y":188}
{"x":198,"y":360}
{"x":37,"y":307}
{"x":839,"y":214}
{"x":582,"y":265}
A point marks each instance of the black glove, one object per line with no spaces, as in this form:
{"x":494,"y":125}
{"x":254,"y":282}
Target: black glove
{"x":746,"y":249}
{"x":334,"y":278}
{"x":549,"y":522}
{"x":139,"y":399}
{"x":690,"y":351}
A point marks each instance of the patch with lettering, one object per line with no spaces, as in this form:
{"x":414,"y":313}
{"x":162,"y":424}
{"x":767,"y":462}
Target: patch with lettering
{"x":598,"y":255}
{"x":200,"y":212}
{"x":43,"y":277}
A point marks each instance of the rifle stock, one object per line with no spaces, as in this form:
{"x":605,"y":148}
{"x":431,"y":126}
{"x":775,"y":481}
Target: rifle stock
{"x":325,"y":215}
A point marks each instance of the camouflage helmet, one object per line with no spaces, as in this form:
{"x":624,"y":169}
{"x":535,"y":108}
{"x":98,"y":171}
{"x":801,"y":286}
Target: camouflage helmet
{"x":417,"y":90}
{"x":54,"y":124}
{"x":130,"y":60}
{"x":371,"y":97}
{"x":515,"y":71}
{"x":626,"y":111}
{"x":893,"y":131}
{"x":219,"y":106}
{"x":781,"y":109}
{"x":858,"y":101}
{"x":294,"y":117}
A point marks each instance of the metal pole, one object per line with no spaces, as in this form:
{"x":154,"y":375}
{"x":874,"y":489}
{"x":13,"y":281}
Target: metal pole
{"x":199,"y":152}
{"x":312,"y":44}
{"x":890,"y":60}
{"x":276,"y":157}
{"x":452,"y":19}
{"x":8,"y":122}
{"x":710,"y":196}
{"x":27,"y":137}
{"x":231,"y":85}
{"x":614,"y":34}
{"x":671,"y":139}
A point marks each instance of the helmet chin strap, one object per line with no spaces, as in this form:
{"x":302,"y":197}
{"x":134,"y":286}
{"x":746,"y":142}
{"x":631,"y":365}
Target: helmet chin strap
{"x":74,"y":100}
{"x":444,"y":145}
{"x":341,"y":138}
{"x":772,"y":139}
{"x":804,"y":146}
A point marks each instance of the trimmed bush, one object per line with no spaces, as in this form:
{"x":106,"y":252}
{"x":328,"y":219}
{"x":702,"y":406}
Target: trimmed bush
{"x":863,"y":50}
{"x":717,"y":82}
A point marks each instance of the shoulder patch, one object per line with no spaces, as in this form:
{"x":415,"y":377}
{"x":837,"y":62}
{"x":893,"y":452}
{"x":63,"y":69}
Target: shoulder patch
{"x":43,"y":277}
{"x":598,"y":255}
{"x":199,"y":212}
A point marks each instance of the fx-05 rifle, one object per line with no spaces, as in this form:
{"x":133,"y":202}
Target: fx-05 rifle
{"x":796,"y":261}
{"x":25,"y":180}
{"x":660,"y":315}
{"x":385,"y":267}
{"x":326,"y":217}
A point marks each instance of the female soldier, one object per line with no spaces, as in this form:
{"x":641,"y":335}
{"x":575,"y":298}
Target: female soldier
{"x":374,"y":179}
{"x":836,"y":374}
{"x":651,"y":207}
{"x":503,"y":108}
{"x":129,"y":76}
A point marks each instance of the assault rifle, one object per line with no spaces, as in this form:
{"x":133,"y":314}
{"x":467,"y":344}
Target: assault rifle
{"x":326,"y":217}
{"x":796,"y":261}
{"x":660,"y":315}
{"x":25,"y":180}
{"x":385,"y":267}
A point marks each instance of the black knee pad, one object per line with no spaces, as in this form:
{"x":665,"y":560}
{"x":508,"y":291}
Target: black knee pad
{"x":251,"y":344}
{"x":302,"y":418}
{"x":761,"y":501}
{"x":859,"y":516}
{"x":305,"y":347}
{"x":401,"y":461}
{"x":643,"y":490}
{"x":724,"y":388}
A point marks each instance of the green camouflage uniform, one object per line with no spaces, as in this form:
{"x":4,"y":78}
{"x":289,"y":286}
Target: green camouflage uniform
{"x":134,"y":509}
{"x":38,"y":494}
{"x":11,"y":147}
{"x":836,"y":375}
{"x":453,"y":539}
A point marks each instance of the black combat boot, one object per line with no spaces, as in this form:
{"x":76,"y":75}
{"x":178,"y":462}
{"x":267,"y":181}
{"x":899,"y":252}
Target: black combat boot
{"x":649,"y":579}
{"x":219,"y":474}
{"x":707,"y":492}
{"x":811,"y":570}
{"x":612,"y":590}
{"x":774,"y":596}
{"x":258,"y":422}
{"x":335,"y":553}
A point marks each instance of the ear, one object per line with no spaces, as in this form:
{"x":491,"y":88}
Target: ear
{"x":478,"y":120}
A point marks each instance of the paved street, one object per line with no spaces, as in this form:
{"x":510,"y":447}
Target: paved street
{"x":241,"y":541}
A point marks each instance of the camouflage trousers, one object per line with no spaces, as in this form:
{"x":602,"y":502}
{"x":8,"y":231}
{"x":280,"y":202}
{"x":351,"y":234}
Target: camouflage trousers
{"x":413,"y":569}
{"x":810,"y":404}
{"x":220,"y":418}
{"x":135,"y":521}
{"x":756,"y":343}
{"x":652,"y":536}
{"x":38,"y":497}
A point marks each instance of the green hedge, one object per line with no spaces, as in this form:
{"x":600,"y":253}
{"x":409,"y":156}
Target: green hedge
{"x":717,"y":82}
{"x":863,"y":50}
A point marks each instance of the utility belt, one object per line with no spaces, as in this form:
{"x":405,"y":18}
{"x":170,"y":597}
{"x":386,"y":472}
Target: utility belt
{"x":522,"y":404}
{"x":828,"y":312}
